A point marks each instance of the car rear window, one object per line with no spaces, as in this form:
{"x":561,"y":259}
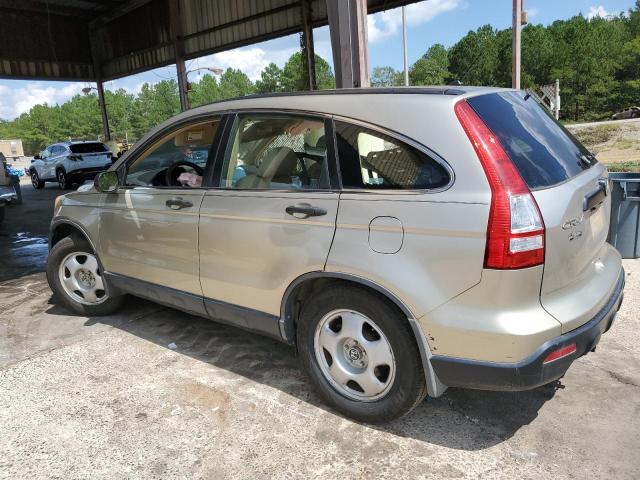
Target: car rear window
{"x":89,"y":147}
{"x":543,"y":151}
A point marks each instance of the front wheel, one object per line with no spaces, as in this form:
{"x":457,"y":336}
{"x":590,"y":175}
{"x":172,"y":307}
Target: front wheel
{"x":360,"y":354}
{"x":62,"y":180}
{"x":35,"y":181}
{"x":76,"y":279}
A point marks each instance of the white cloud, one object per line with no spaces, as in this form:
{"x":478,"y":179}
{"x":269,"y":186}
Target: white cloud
{"x":532,"y":12}
{"x":15,"y":101}
{"x":387,"y":24}
{"x":251,"y":60}
{"x":598,"y":11}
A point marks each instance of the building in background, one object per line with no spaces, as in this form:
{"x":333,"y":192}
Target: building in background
{"x":12,"y":149}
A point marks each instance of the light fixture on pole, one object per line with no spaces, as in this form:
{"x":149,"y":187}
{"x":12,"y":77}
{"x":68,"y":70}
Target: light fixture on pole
{"x":214,"y":70}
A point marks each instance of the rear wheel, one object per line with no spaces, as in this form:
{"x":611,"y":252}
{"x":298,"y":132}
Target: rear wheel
{"x":63,"y":182}
{"x":35,"y":181}
{"x":360,"y":354}
{"x":75,"y":276}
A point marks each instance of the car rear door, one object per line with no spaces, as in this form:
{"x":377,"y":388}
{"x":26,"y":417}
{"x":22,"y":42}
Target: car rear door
{"x":149,"y":227}
{"x":269,"y":216}
{"x":581,"y":270}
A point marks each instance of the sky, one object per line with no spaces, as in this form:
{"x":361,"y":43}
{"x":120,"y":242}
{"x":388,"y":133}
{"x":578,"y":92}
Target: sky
{"x":428,"y":22}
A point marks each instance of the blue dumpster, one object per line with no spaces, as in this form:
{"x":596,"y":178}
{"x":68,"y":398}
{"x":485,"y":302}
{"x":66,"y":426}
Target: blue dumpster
{"x":625,"y":214}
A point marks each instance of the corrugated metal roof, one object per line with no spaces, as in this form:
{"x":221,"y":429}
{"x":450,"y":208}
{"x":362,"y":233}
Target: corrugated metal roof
{"x":68,"y":39}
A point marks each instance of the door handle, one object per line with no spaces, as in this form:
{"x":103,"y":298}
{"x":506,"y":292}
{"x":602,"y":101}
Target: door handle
{"x":177,"y":203}
{"x":306,"y":210}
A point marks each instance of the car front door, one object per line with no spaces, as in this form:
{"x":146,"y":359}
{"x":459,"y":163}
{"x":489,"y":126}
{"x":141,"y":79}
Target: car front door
{"x":149,"y":226}
{"x":57,"y":151}
{"x":269,"y":218}
{"x":45,"y":165}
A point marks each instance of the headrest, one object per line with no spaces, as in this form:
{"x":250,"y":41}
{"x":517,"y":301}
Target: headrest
{"x":276,"y":159}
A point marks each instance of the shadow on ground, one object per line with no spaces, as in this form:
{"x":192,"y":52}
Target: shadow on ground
{"x":460,"y":419}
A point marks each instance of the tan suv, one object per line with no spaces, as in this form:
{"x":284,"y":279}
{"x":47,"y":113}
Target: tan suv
{"x":403,"y":240}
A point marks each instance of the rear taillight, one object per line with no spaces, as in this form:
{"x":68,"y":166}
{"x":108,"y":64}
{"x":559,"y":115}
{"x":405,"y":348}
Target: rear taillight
{"x":515,"y":232}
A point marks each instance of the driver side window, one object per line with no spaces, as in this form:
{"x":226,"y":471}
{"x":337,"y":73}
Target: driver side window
{"x":177,"y":160}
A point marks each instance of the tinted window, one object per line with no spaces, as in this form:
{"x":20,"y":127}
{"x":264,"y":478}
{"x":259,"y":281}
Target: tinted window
{"x":57,"y":150}
{"x":543,"y":151}
{"x":276,"y":152}
{"x":373,"y":160}
{"x":89,"y":147}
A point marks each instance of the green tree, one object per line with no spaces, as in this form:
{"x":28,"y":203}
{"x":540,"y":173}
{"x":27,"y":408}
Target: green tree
{"x":432,"y":68}
{"x":270,"y":79}
{"x":385,"y":77}
{"x":155,"y":104}
{"x":474,"y":59}
{"x":207,"y":90}
{"x":293,"y":79}
{"x":235,"y":83}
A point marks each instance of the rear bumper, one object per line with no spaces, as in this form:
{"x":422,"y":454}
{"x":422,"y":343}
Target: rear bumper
{"x":530,"y":372}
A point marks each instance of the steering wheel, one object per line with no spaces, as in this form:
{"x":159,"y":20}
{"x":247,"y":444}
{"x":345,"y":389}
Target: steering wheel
{"x":170,"y":175}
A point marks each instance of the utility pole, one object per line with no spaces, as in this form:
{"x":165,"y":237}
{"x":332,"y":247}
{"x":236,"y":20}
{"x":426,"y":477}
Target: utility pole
{"x":556,"y":103}
{"x":404,"y":46}
{"x":516,"y":44}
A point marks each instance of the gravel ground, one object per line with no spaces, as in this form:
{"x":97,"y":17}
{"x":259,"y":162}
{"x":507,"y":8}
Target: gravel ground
{"x":155,"y":393}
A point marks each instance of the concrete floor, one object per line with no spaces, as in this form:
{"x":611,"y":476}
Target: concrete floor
{"x":109,"y":398}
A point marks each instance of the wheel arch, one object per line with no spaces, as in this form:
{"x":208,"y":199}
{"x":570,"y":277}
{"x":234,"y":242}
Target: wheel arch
{"x":62,"y":227}
{"x":307,"y":283}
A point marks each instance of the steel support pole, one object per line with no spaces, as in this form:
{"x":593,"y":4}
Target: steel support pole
{"x":103,"y":111}
{"x":97,"y":72}
{"x":404,"y":46}
{"x":178,"y":46}
{"x":516,"y":44}
{"x":310,"y":54}
{"x":348,"y":30}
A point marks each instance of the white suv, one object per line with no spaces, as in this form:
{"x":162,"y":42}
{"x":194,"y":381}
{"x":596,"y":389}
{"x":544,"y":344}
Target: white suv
{"x":69,"y":163}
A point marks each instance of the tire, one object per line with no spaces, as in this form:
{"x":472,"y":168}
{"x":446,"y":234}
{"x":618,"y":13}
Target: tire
{"x":1,"y":213}
{"x":63,"y":182}
{"x":382,"y":322}
{"x":73,"y":248}
{"x":35,"y":181}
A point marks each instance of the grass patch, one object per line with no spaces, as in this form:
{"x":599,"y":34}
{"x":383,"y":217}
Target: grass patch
{"x":624,"y":167}
{"x":591,"y":136}
{"x":626,"y":144}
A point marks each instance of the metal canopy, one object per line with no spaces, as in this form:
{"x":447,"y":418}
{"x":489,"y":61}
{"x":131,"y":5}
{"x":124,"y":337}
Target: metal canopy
{"x":91,"y":40}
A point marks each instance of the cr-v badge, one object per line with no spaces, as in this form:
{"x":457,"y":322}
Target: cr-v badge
{"x":572,"y":225}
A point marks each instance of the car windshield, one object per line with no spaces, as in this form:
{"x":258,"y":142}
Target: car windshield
{"x":89,"y":147}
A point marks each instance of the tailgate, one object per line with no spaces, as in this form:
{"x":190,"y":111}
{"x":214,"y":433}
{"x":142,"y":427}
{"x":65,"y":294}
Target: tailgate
{"x":572,"y":191}
{"x":581,"y":269}
{"x":95,"y":160}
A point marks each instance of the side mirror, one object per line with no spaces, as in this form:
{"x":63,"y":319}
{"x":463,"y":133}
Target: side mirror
{"x":106,"y":182}
{"x":37,"y":156}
